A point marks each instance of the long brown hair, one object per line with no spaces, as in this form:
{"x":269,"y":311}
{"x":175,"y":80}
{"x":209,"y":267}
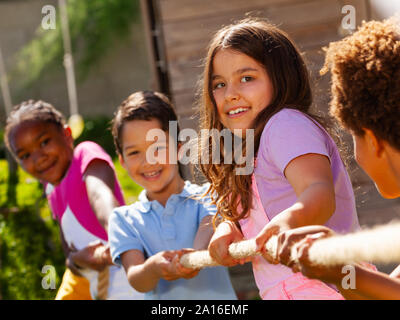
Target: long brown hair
{"x":273,"y":49}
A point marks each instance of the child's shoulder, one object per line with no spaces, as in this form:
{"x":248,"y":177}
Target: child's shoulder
{"x":129,"y":212}
{"x":88,"y":146}
{"x":87,"y":151}
{"x":289,"y":121}
{"x":289,"y":116}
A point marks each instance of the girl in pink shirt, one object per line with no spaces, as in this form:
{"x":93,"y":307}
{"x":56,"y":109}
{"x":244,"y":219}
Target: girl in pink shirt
{"x":81,"y":188}
{"x":255,"y":79}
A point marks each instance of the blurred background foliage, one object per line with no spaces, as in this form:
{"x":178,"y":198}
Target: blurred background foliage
{"x":94,"y":27}
{"x":29,"y":240}
{"x":29,"y":237}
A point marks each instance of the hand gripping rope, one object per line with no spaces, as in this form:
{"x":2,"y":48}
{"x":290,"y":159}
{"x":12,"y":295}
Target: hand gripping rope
{"x":378,"y":245}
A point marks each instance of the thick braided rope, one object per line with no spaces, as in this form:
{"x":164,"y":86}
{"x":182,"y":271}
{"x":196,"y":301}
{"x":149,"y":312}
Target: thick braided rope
{"x":103,"y":280}
{"x":238,"y":250}
{"x":378,"y":245}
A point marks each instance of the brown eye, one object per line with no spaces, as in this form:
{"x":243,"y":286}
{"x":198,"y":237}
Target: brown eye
{"x":246,"y":79}
{"x":45,"y":142}
{"x":132,"y":153}
{"x":218,"y":85}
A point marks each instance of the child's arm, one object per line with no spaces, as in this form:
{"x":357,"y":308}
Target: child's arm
{"x":99,"y":180}
{"x":374,"y":285}
{"x":143,"y":275}
{"x":310,"y":176}
{"x":204,"y":234}
{"x":95,"y":256}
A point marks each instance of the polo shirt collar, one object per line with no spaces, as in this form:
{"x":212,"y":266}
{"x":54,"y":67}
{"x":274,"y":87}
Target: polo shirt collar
{"x":144,"y":204}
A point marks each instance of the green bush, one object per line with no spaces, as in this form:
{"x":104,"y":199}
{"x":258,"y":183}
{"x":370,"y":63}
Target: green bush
{"x":97,"y":129}
{"x":27,"y":244}
{"x":29,"y":240}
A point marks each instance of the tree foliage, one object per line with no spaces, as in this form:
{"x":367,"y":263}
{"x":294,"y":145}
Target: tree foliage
{"x":94,"y":26}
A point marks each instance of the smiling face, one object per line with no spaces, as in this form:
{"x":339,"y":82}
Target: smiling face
{"x":43,"y":149}
{"x":147,"y":161}
{"x":241,"y":88}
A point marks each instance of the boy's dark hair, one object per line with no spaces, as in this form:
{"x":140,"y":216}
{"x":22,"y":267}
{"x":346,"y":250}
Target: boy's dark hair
{"x":365,"y":88}
{"x":142,"y":105}
{"x":32,"y":110}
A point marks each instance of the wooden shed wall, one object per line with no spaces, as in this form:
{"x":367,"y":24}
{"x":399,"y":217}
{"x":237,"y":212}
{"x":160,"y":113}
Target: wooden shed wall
{"x":188,"y":25}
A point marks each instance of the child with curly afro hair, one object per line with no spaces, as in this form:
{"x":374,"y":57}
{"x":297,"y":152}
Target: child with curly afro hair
{"x":365,"y":68}
{"x":365,"y":88}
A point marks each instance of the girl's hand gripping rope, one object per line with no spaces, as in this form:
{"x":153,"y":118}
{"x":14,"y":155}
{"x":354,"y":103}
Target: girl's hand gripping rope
{"x":225,"y":234}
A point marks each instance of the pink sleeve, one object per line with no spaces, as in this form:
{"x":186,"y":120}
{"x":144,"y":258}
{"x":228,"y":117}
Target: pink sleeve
{"x":87,"y":152}
{"x":92,"y":151}
{"x":290,"y":134}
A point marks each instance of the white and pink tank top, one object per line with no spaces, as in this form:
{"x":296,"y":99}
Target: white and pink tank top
{"x":71,"y":207}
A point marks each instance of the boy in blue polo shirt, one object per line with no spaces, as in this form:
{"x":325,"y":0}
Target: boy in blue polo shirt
{"x":149,"y":237}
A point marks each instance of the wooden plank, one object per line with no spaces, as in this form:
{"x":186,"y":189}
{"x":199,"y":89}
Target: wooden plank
{"x":182,"y":33}
{"x":306,"y":37}
{"x":200,"y":29}
{"x":315,"y":36}
{"x":185,"y":102}
{"x":184,"y":74}
{"x":289,"y":18}
{"x":188,"y":51}
{"x":173,"y":10}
